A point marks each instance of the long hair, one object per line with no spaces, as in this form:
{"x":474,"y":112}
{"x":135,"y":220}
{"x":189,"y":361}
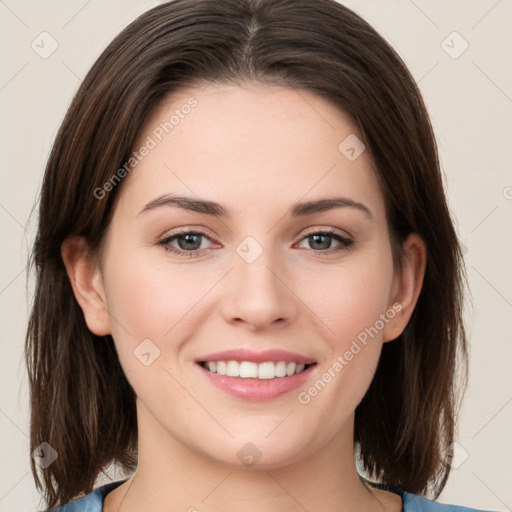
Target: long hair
{"x":81,"y":402}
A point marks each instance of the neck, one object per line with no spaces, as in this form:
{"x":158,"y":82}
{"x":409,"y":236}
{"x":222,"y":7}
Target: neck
{"x":172,"y":476}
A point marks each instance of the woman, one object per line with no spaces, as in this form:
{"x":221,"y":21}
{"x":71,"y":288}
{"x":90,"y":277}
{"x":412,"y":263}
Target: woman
{"x":248,"y":279}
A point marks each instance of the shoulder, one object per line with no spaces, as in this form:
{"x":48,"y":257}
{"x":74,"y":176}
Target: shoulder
{"x":93,"y":502}
{"x":416,"y":503}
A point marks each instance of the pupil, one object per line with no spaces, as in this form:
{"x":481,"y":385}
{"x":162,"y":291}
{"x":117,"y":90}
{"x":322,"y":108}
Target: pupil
{"x":316,"y":237}
{"x":187,"y":241}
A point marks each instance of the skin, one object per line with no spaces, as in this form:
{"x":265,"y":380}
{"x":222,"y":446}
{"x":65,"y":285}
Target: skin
{"x":256,"y":150}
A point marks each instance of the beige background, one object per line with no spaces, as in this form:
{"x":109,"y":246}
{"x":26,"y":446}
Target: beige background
{"x":469,"y":97}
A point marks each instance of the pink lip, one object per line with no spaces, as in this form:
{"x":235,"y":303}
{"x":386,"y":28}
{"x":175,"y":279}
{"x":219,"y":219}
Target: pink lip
{"x":256,"y":390}
{"x":256,"y":357}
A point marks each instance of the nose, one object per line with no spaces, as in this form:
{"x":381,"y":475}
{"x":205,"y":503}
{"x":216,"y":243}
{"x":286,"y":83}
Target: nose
{"x":259,"y":294}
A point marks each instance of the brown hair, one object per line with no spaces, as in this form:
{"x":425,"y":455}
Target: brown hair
{"x":81,"y":402}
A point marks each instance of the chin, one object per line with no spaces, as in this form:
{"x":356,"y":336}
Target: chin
{"x":261,"y":452}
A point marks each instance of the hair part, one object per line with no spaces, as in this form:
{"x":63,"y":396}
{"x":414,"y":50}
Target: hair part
{"x":81,"y":402}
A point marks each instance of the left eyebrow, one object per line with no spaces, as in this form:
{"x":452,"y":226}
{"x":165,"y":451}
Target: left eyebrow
{"x":217,"y":210}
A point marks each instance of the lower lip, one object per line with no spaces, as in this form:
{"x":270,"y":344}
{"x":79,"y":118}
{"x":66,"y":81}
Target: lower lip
{"x":257,"y":390}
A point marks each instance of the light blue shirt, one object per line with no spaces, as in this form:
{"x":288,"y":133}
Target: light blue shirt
{"x":93,"y":502}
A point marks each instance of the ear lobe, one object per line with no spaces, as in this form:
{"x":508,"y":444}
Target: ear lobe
{"x":407,"y":286}
{"x":86,"y":280}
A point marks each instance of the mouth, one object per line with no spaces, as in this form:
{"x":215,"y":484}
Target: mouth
{"x":267,"y":370}
{"x":261,"y":379}
{"x":255,"y":375}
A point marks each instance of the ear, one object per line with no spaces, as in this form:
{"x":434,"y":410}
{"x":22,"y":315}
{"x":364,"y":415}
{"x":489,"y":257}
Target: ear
{"x":406,"y":286}
{"x":86,"y":280}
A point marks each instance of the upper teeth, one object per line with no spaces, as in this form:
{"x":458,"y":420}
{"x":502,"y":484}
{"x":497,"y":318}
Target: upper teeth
{"x":248,"y":369}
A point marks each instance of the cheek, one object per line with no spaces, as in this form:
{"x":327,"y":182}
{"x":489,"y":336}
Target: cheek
{"x":352,"y":296}
{"x":148,"y":304}
{"x":146,"y":298}
{"x":354,"y":306}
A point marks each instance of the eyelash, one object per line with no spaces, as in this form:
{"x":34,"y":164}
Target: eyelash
{"x":345,"y":243}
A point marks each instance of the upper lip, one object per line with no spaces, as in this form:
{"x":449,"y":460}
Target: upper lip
{"x":243,"y":354}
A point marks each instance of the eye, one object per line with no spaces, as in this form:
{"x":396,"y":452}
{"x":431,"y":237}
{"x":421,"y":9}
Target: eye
{"x":322,"y":240}
{"x":189,"y":243}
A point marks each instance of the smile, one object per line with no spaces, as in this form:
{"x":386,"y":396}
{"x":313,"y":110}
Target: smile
{"x":245,"y":381}
{"x":251,"y":370}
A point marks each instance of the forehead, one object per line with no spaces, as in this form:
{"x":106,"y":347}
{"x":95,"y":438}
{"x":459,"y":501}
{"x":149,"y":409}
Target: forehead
{"x":250,"y":146}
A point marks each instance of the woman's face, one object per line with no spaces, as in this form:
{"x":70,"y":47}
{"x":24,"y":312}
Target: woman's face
{"x":259,"y":273}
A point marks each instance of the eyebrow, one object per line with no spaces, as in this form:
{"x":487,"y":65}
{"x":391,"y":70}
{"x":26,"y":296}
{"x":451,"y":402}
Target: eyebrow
{"x":217,"y":210}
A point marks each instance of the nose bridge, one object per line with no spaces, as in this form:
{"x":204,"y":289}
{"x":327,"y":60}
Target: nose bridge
{"x":258,"y":292}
